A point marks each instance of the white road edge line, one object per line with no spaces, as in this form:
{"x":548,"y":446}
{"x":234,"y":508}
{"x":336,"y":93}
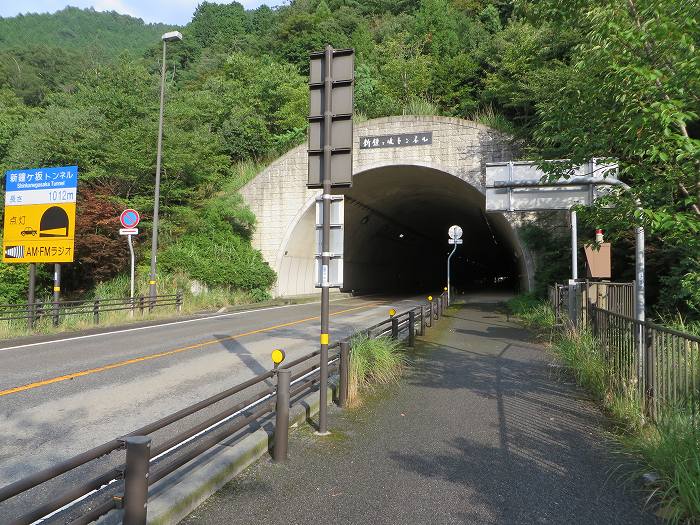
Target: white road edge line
{"x":232,"y":314}
{"x":178,"y":445}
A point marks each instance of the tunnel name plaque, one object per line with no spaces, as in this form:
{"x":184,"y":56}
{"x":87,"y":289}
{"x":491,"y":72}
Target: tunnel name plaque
{"x":397,"y":140}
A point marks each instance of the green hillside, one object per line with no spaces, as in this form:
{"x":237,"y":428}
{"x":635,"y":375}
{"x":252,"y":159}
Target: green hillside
{"x":45,"y":53}
{"x":74,"y":29}
{"x":570,"y":80}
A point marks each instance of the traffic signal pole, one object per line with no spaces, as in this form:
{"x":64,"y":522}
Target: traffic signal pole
{"x":325,"y":242}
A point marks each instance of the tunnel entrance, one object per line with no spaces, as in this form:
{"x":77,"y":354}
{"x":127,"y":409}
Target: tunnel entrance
{"x":396,"y":222}
{"x":403,"y":200}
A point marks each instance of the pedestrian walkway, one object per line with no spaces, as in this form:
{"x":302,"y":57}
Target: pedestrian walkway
{"x":483,"y":429}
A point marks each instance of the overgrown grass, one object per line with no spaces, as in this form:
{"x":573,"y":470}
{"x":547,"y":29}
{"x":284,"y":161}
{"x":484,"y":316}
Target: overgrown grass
{"x":532,"y":311}
{"x":681,"y":323}
{"x":491,"y":118}
{"x":421,"y":106}
{"x":207,"y":299}
{"x":669,"y":447}
{"x":377,"y":361}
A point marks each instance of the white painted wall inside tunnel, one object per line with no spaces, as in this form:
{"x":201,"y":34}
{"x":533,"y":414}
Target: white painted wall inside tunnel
{"x":295,"y":263}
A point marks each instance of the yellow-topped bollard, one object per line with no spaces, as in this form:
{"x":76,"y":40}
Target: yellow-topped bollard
{"x":430,"y":298}
{"x":277,"y":356}
{"x":445,"y":288}
{"x":392,"y":312}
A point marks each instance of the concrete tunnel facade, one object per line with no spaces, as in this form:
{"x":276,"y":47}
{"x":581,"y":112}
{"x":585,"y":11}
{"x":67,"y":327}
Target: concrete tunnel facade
{"x":403,"y":200}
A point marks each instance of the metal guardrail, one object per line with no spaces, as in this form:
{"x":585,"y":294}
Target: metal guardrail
{"x":659,"y":364}
{"x":611,"y":296}
{"x":34,"y":312}
{"x":125,"y":485}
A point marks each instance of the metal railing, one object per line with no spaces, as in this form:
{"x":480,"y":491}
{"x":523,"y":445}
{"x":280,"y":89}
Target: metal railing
{"x":56,"y":310}
{"x":614,"y":297}
{"x":150,"y":453}
{"x":658,"y":364}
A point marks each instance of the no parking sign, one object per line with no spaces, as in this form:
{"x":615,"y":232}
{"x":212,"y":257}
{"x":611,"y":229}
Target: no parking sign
{"x":129,"y":218}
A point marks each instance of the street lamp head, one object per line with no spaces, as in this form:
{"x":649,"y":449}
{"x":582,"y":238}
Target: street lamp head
{"x":172,"y":36}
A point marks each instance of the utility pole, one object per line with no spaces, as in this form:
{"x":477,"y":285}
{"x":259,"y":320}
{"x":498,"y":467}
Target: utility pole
{"x":331,"y":79}
{"x":325,"y":254}
{"x":573,"y":314}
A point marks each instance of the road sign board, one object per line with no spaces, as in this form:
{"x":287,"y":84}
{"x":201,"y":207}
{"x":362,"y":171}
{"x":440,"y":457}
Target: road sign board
{"x":334,"y":273}
{"x":340,"y":102}
{"x":455,"y":232}
{"x":455,"y":241}
{"x":129,"y":218}
{"x":504,"y":194}
{"x":128,"y":231}
{"x":39,"y":224}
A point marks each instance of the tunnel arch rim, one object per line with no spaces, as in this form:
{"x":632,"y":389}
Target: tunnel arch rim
{"x":524,"y":257}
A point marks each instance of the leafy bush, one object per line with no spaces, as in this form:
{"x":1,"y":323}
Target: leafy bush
{"x":14,"y":280}
{"x":215,"y":248}
{"x":373,"y":361}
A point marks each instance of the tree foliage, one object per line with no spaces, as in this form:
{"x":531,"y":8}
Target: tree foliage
{"x":574,"y":80}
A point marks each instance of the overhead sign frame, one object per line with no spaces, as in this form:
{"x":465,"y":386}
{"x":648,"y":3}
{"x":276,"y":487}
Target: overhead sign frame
{"x":520,"y":186}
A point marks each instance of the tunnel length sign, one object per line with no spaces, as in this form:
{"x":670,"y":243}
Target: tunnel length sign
{"x":39,"y":221}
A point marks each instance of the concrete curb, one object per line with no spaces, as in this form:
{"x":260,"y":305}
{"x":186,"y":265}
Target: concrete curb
{"x":174,"y":497}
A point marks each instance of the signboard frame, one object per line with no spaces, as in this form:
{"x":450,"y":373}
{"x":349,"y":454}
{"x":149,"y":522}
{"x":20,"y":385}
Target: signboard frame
{"x":522,"y":186}
{"x":39,"y":218}
{"x":336,"y":103}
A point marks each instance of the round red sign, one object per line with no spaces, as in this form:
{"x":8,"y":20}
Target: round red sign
{"x":129,"y":218}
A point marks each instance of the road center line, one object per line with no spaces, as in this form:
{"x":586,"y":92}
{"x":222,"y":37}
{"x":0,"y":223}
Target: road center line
{"x":206,"y":317}
{"x":167,"y":353}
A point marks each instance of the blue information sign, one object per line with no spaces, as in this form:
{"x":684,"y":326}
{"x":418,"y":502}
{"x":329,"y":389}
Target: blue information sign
{"x":41,"y":178}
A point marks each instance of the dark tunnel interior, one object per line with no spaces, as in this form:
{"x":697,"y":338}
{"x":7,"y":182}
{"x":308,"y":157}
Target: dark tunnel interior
{"x":396,"y":224}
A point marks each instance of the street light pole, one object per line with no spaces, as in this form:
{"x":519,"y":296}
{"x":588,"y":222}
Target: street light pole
{"x":172,"y":36}
{"x":455,"y":234}
{"x":449,"y":286}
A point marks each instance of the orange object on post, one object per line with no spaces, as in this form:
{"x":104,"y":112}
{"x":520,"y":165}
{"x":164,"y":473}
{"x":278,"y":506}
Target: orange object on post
{"x":598,"y":261}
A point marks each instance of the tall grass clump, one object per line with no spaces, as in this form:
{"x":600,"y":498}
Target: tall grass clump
{"x":421,"y":106}
{"x":373,"y":362}
{"x":493,"y":119}
{"x":581,"y":353}
{"x":671,"y":448}
{"x":532,"y":311}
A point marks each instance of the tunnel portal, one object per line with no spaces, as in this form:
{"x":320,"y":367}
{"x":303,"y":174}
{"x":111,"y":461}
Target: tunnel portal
{"x":397,"y":213}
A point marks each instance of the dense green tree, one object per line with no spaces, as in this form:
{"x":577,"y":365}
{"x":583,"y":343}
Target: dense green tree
{"x":572,"y":80}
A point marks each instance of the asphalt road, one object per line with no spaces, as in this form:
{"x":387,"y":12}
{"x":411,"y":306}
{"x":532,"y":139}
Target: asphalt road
{"x":481,"y":430}
{"x":61,"y":398}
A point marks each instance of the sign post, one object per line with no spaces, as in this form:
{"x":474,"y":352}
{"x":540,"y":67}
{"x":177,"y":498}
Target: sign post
{"x":519,"y":186}
{"x":31,"y":294}
{"x":455,"y":233}
{"x":130,"y":219}
{"x":331,"y":81}
{"x":39,"y":223}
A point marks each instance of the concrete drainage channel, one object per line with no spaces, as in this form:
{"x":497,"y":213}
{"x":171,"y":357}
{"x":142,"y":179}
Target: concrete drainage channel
{"x":167,"y":471}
